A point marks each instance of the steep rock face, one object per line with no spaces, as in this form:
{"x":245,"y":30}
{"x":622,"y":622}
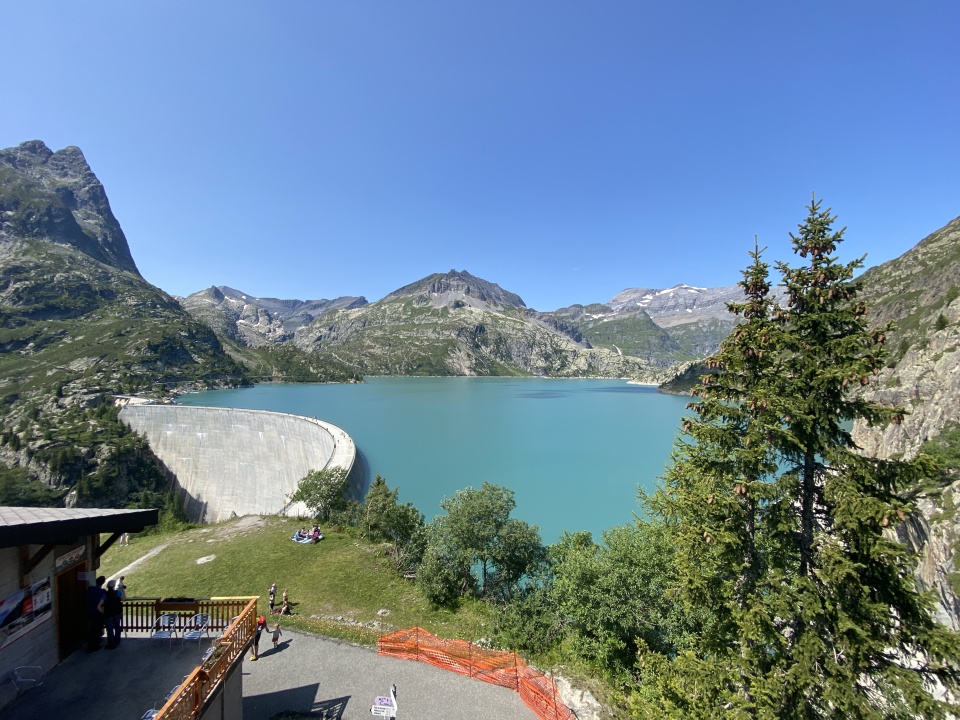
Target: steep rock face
{"x":258,"y":322}
{"x":293,"y":313}
{"x":237,"y":320}
{"x":927,"y":383}
{"x":933,"y":533}
{"x":79,"y":325}
{"x":919,"y":293}
{"x":560,"y":325}
{"x":664,"y":327}
{"x":55,"y":196}
{"x":680,"y":304}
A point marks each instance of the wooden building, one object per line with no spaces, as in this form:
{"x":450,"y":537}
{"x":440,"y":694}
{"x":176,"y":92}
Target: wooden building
{"x":48,"y":558}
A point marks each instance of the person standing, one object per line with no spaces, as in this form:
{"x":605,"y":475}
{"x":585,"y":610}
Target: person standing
{"x":113,"y":615}
{"x":261,"y":624}
{"x":277,"y":632}
{"x":272,"y":595}
{"x":96,"y":596}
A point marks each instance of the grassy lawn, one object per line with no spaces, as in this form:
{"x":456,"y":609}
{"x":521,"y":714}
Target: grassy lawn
{"x":336,"y":587}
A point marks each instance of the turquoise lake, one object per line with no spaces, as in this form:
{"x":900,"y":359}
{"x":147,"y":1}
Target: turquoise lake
{"x":573,"y":451}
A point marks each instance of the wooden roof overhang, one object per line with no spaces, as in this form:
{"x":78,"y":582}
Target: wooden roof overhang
{"x":50,"y":527}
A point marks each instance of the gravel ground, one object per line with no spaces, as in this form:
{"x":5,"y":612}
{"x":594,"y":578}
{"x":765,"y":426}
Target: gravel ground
{"x":306,"y":673}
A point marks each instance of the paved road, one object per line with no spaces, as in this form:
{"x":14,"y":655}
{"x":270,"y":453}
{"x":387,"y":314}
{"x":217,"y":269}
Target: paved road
{"x":307,"y":673}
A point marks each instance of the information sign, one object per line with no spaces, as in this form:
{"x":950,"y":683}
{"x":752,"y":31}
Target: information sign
{"x":384,"y":707}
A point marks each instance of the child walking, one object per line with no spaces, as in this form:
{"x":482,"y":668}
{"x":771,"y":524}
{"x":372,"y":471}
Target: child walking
{"x":276,"y":634}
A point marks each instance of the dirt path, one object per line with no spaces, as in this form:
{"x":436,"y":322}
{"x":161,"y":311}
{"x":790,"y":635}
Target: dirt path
{"x":138,"y":561}
{"x":241,"y":526}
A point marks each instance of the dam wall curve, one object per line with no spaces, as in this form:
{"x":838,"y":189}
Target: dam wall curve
{"x":229,"y":461}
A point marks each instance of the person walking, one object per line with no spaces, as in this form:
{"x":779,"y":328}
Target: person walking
{"x":277,"y":632}
{"x":121,"y":588}
{"x":113,"y":615}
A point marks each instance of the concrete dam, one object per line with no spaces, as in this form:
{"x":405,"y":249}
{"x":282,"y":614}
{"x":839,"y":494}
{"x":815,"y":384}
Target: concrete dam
{"x":230,"y":462}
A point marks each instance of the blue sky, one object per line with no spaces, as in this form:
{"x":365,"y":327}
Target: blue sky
{"x":564,"y":150}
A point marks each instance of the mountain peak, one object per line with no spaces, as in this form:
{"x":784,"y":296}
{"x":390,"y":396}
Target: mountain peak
{"x":54,"y":196}
{"x":444,"y":288}
{"x":679,"y":304}
{"x":35,"y":148}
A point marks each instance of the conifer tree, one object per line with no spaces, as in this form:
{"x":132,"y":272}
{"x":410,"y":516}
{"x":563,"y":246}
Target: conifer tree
{"x":779,"y":522}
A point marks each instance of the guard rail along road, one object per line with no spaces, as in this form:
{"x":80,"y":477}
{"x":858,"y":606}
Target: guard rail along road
{"x":229,"y":462}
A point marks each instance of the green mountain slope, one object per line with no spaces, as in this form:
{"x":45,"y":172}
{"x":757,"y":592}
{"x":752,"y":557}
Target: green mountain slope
{"x":919,"y":292}
{"x":456,"y":324}
{"x":79,"y":325}
{"x":631,"y":333}
{"x":914,"y":289}
{"x":75,"y":332}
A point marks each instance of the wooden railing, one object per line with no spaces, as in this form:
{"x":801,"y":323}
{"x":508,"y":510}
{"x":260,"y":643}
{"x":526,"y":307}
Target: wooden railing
{"x":140,"y":613}
{"x":188,"y":701}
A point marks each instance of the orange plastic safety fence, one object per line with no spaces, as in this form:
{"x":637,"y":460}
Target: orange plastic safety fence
{"x":497,"y":667}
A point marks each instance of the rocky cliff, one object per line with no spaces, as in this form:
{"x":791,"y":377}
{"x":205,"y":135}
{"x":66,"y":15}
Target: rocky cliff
{"x":243,"y":322}
{"x":919,"y":293}
{"x":679,"y":304}
{"x":662,"y":326}
{"x":257,"y":322}
{"x":933,"y":533}
{"x":926,"y":381}
{"x":79,"y":324}
{"x":55,"y":196}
